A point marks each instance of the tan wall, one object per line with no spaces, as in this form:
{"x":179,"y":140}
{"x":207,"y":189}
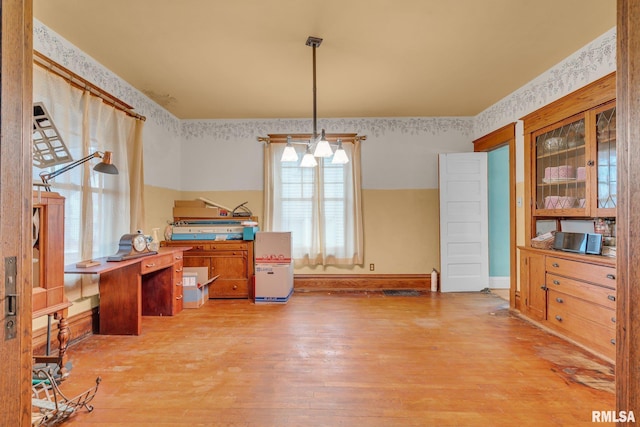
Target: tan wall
{"x":400,"y":226}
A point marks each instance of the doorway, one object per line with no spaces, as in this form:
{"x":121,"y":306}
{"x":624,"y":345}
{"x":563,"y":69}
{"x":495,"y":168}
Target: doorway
{"x":503,"y":138}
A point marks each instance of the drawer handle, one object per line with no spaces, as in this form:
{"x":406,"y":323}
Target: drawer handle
{"x":179,"y":257}
{"x":558,"y":318}
{"x":153,"y":264}
{"x":611,"y":297}
{"x":555,"y":264}
{"x":179,"y":297}
{"x":613,"y":341}
{"x":543,"y":287}
{"x":611,"y":276}
{"x":179,"y":270}
{"x":613,"y":319}
{"x":556,"y":282}
{"x":560,"y":300}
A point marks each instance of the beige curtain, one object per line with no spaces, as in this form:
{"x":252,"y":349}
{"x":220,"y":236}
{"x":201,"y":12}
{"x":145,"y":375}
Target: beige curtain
{"x":98,"y":207}
{"x":136,"y":177}
{"x":321,"y":206}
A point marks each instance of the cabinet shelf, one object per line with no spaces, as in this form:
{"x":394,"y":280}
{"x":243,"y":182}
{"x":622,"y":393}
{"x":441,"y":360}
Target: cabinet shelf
{"x":565,"y":151}
{"x":562,"y":182}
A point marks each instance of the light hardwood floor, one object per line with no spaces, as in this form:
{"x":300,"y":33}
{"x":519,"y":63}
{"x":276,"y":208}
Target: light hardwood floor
{"x":341,"y":359}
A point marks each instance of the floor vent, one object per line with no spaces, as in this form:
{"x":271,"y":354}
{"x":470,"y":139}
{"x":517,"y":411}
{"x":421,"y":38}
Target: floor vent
{"x":401,"y":293}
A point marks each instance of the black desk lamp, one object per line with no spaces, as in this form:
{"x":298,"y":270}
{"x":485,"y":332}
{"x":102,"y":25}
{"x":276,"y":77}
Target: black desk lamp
{"x":105,"y":166}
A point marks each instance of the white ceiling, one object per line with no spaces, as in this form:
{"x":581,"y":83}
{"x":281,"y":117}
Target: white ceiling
{"x":205,"y":59}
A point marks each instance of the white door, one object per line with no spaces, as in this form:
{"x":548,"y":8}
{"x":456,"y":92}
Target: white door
{"x":464,"y":234}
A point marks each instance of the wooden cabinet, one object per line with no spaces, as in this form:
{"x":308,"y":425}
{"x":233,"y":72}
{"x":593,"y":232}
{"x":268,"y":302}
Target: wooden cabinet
{"x":532,"y":284}
{"x":570,"y":174}
{"x":48,"y":269}
{"x":230,"y":260}
{"x":570,"y":158}
{"x":575,"y":295}
{"x":48,"y":252}
{"x":574,"y":166}
{"x":582,"y":302}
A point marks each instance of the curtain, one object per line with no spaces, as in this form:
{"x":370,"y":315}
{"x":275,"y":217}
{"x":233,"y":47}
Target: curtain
{"x":321,"y":206}
{"x":98,"y":207}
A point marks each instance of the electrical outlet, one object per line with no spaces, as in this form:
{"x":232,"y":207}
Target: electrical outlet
{"x":372,"y":267}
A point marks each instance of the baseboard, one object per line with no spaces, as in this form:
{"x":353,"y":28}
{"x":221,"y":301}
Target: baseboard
{"x":80,"y":326}
{"x":360,"y":282}
{"x":499,"y":282}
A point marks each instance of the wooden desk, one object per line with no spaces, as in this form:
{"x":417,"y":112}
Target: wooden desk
{"x":145,"y":286}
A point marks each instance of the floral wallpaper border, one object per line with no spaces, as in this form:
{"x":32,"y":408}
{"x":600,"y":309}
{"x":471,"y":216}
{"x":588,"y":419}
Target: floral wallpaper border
{"x":243,"y":129}
{"x":595,"y":60}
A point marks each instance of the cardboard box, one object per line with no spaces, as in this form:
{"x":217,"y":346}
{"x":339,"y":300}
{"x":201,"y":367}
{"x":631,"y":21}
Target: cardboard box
{"x":273,"y":283}
{"x":193,"y":296}
{"x":189,"y":203}
{"x":272,"y":247}
{"x":189,"y":212}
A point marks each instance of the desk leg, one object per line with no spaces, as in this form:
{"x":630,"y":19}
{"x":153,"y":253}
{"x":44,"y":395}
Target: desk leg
{"x":120,"y":301}
{"x":63,"y":341}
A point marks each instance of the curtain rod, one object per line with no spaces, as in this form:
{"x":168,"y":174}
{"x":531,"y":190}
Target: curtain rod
{"x":81,"y":83}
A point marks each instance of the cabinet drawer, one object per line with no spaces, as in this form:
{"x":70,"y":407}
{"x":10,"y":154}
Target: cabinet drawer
{"x":596,"y":294}
{"x":571,"y":305}
{"x":599,"y":274}
{"x":229,"y":289}
{"x":598,"y":337}
{"x":240,"y":246}
{"x":155,"y":263}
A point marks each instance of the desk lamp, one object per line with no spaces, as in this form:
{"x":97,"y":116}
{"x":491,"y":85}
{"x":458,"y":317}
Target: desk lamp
{"x":105,"y":166}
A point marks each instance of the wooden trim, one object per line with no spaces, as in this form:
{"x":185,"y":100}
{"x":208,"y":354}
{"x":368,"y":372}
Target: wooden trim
{"x":590,"y":96}
{"x":506,"y":135}
{"x":274,"y":138}
{"x":79,"y":82}
{"x":330,"y":282}
{"x":628,"y":208}
{"x":81,"y":326}
{"x":16,"y":117}
{"x":495,"y":139}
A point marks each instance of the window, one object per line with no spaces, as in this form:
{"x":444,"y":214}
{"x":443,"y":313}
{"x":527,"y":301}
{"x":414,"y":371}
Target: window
{"x":320,"y":206}
{"x":97,"y":206}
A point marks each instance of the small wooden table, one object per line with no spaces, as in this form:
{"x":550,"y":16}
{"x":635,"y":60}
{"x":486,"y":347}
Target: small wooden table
{"x":132,"y":288}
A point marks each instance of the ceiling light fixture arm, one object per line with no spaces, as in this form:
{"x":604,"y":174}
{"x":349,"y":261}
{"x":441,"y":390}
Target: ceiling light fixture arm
{"x":314,"y":42}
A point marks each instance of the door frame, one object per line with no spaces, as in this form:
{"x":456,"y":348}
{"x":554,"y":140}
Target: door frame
{"x":16,"y":117}
{"x":506,"y":135}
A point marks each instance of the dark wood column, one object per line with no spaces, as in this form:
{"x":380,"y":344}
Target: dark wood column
{"x":628,"y":221}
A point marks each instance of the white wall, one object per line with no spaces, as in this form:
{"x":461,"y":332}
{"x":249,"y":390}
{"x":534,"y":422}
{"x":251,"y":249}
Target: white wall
{"x":399,"y":153}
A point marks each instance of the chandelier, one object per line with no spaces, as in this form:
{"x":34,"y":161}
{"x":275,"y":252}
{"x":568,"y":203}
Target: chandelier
{"x":316,"y":145}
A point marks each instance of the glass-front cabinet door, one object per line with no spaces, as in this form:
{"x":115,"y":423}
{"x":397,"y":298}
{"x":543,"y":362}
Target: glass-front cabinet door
{"x":606,"y":164}
{"x":561,"y":175}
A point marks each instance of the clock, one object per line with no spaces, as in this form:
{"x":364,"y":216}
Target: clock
{"x":131,"y":246}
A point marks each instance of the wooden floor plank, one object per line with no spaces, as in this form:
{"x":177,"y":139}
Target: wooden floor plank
{"x":341,"y":359}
